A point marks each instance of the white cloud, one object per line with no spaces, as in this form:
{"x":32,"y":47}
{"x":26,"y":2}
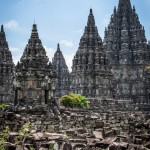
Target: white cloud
{"x":50,"y":52}
{"x":79,"y":31}
{"x":67,"y":43}
{"x":14,"y":49}
{"x":12,"y":24}
{"x":16,"y":54}
{"x":106,"y":19}
{"x":69,"y":58}
{"x":16,"y":59}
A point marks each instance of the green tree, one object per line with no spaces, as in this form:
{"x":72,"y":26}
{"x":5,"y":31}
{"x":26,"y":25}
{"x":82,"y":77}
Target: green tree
{"x":74,"y":101}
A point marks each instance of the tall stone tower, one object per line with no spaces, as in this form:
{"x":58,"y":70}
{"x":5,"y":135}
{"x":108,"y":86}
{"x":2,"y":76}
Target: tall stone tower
{"x":35,"y":78}
{"x":90,"y":73}
{"x":126,"y":47}
{"x":6,"y":70}
{"x":63,"y":76}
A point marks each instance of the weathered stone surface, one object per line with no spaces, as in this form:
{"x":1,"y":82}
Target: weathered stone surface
{"x":63,"y":76}
{"x":107,"y":123}
{"x":6,"y":70}
{"x":126,"y":47}
{"x":78,"y":134}
{"x":90,"y":74}
{"x":34,"y":81}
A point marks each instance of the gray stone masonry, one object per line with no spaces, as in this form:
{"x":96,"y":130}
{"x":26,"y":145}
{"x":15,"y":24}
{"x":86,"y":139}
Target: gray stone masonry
{"x":34,"y":81}
{"x":63,"y":76}
{"x":90,"y":74}
{"x":128,"y":52}
{"x":6,"y":70}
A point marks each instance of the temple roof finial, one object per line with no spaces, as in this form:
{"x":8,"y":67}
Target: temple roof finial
{"x":91,"y":11}
{"x":34,"y":33}
{"x":58,"y":47}
{"x":115,"y":10}
{"x":34,"y":27}
{"x":91,"y":20}
{"x":133,"y":8}
{"x":124,"y":2}
{"x":2,"y":28}
{"x":2,"y":35}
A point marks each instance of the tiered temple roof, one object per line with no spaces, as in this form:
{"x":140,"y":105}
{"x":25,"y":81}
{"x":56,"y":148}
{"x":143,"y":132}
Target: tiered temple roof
{"x":126,"y":47}
{"x":63,"y":76}
{"x":6,"y":70}
{"x":35,"y":76}
{"x":90,"y":72}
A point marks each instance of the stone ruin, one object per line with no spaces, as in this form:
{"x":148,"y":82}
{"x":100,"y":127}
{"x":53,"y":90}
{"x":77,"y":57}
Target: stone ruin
{"x":84,"y":129}
{"x":62,"y":71}
{"x":118,"y":117}
{"x":34,"y":80}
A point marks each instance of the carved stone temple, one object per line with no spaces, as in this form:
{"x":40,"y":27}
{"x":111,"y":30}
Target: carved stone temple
{"x":6,"y":70}
{"x":127,"y":49}
{"x":90,"y":74}
{"x":116,"y":68}
{"x":34,"y":82}
{"x":63,"y":76}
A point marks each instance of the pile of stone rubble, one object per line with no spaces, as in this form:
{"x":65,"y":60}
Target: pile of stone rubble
{"x":80,"y":130}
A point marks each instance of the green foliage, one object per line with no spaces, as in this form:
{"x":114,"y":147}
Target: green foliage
{"x":23,"y":133}
{"x":19,"y":140}
{"x":4,"y":105}
{"x":4,"y":137}
{"x":74,"y":101}
{"x":147,"y":67}
{"x":31,"y":148}
{"x":51,"y":146}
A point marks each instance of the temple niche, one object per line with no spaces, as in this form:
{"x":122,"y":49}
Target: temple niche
{"x":90,"y":74}
{"x":34,"y":82}
{"x":63,"y":76}
{"x":126,"y":47}
{"x":6,"y":70}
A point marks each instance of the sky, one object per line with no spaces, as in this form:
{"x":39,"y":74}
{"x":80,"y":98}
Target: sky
{"x":59,"y":21}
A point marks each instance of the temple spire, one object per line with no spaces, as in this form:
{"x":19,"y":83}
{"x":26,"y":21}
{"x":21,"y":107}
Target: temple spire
{"x":34,"y":34}
{"x":134,"y":10}
{"x":34,"y":67}
{"x":114,"y":10}
{"x":3,"y":37}
{"x":6,"y":71}
{"x":89,"y":63}
{"x":58,"y":47}
{"x":91,"y":20}
{"x":91,"y":12}
{"x":123,"y":3}
{"x":125,"y":46}
{"x":2,"y":28}
{"x":63,"y":76}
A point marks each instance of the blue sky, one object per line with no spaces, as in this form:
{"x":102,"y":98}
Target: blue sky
{"x":60,"y":21}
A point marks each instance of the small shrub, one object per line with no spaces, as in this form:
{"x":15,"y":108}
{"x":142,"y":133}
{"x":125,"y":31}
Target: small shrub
{"x":4,"y":105}
{"x":74,"y":101}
